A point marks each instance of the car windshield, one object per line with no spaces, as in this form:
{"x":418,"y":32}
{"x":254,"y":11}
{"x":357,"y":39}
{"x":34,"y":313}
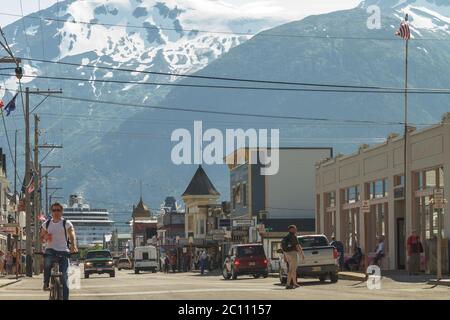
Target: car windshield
{"x":98,"y":254}
{"x":250,"y":251}
{"x":313,"y":241}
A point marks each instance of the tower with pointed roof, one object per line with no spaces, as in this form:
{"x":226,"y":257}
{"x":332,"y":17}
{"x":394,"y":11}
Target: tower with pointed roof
{"x":144,"y":226}
{"x":199,"y":194}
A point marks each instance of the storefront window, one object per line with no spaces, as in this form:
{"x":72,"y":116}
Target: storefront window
{"x":331,"y":199}
{"x":378,"y":189}
{"x":351,"y":194}
{"x":441,"y":177}
{"x":430,"y":178}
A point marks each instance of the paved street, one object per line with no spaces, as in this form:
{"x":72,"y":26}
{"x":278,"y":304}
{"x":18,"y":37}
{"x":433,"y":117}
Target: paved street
{"x":188,"y":286}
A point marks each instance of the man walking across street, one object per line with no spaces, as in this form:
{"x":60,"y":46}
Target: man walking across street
{"x":414,"y":250}
{"x":291,"y":248}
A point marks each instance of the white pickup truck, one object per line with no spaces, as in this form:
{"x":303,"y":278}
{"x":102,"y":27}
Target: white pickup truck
{"x":320,"y":260}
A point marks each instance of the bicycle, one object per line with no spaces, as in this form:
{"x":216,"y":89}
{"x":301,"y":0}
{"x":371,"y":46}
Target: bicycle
{"x":56,"y":277}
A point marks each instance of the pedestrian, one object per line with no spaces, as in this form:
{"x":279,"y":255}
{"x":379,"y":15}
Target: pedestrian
{"x":196,"y":261}
{"x":174,"y":263}
{"x":354,"y":260}
{"x":415,"y":248}
{"x":291,"y":248}
{"x":9,"y":263}
{"x":339,"y":246}
{"x":166,"y":264}
{"x":203,"y":260}
{"x":2,"y":262}
{"x":379,"y":252}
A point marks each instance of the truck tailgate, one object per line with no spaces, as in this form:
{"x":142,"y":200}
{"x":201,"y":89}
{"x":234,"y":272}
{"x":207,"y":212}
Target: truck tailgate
{"x":317,"y":256}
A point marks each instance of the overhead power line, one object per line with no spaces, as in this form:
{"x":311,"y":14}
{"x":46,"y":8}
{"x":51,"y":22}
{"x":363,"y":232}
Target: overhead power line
{"x":233,"y":79}
{"x":332,"y":90}
{"x":182,"y":109}
{"x":233,"y":33}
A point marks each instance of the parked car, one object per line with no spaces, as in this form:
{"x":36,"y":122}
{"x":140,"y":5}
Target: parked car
{"x":245,"y":259}
{"x":99,"y":261}
{"x":124,"y":263}
{"x":146,"y":259}
{"x":320,"y":260}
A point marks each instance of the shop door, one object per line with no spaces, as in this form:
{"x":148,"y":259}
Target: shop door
{"x":401,"y":250}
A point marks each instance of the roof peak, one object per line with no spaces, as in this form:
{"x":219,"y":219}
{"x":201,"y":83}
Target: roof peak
{"x":200,"y":185}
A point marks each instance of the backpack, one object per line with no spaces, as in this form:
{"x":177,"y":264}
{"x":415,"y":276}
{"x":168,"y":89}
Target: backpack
{"x":47,"y":223}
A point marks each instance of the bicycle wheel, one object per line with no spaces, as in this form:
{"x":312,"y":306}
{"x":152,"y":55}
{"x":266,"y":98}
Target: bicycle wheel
{"x":52,"y":288}
{"x":57,"y":290}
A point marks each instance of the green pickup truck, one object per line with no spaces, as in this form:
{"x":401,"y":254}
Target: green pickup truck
{"x":99,"y":261}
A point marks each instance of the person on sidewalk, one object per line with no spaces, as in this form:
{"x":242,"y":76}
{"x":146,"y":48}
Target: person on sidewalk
{"x":379,"y":252}
{"x":9,"y":263}
{"x":355,"y":260}
{"x":2,"y":263}
{"x":291,"y":248}
{"x":166,"y":264}
{"x":340,"y":249}
{"x":203,"y":261}
{"x":415,"y":248}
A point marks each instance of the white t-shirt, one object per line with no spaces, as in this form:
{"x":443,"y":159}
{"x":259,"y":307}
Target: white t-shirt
{"x":58,"y":242}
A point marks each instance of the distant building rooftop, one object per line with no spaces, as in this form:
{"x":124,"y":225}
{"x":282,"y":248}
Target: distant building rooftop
{"x":200,"y":185}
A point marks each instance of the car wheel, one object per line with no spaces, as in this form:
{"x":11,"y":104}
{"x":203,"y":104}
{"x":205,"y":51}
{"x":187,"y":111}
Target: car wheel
{"x":86,"y":275}
{"x":225,"y":273}
{"x":136,"y":271}
{"x":283,"y":278}
{"x":334,"y":277}
{"x":322,"y":278}
{"x":112,"y":275}
{"x":256,"y":276}
{"x":153,"y":270}
{"x":233,"y":274}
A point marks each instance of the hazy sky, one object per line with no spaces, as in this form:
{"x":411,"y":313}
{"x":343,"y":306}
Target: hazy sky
{"x":285,"y":9}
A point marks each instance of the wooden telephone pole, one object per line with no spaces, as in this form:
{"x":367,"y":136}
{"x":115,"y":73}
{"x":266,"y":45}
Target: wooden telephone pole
{"x":28,"y":173}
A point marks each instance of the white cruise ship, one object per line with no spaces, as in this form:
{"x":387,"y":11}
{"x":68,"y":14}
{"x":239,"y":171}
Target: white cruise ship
{"x":92,"y":226}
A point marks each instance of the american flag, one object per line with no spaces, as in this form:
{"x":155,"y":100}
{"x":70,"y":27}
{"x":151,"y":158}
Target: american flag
{"x":404,"y":32}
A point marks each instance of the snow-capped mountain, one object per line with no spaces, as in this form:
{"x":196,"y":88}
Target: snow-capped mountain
{"x":107,"y":148}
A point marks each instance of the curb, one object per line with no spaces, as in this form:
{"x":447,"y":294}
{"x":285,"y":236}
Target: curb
{"x":353,"y":277}
{"x":444,"y":282}
{"x":9,"y":283}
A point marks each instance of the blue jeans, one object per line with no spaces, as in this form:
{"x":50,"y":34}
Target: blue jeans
{"x":49,"y":257}
{"x":202,"y":266}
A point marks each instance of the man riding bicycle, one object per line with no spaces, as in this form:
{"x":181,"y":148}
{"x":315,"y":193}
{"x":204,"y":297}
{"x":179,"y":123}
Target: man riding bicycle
{"x":60,"y":237}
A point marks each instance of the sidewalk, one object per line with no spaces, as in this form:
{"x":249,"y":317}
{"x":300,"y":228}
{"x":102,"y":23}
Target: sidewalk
{"x":442,"y":282}
{"x":6,"y":281}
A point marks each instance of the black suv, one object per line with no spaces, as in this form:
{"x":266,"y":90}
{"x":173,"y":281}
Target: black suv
{"x":99,"y":261}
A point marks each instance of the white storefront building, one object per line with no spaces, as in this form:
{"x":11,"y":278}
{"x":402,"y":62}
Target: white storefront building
{"x":376,"y":173}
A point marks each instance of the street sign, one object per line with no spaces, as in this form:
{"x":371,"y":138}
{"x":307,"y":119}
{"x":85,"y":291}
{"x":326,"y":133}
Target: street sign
{"x":365,"y":206}
{"x":217,"y":232}
{"x":243,"y":223}
{"x":10,"y":230}
{"x":438,"y":198}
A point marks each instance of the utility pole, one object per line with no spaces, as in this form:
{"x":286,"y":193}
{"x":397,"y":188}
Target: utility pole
{"x":46,"y":184}
{"x":36,"y":202}
{"x":29,"y":259}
